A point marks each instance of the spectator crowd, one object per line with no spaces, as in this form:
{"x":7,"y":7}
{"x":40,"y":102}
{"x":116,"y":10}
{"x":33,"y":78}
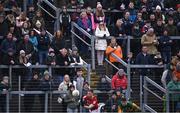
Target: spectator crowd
{"x":24,"y":41}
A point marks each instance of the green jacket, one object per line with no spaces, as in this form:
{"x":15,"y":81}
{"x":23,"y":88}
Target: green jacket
{"x":174,"y":86}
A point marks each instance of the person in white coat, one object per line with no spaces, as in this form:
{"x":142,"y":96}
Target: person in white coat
{"x":101,"y":44}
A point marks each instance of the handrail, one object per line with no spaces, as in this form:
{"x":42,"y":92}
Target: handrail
{"x":119,"y":59}
{"x":80,"y":38}
{"x":155,"y":84}
{"x":51,"y":5}
{"x":111,"y":63}
{"x":40,"y":66}
{"x":149,"y":108}
{"x":82,"y":30}
{"x":46,"y":11}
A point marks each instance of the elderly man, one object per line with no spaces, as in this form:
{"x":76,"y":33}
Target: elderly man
{"x":119,"y":80}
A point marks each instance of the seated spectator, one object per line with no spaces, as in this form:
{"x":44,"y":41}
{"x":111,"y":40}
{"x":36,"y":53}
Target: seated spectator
{"x":7,"y":44}
{"x":112,"y":103}
{"x":172,"y":29}
{"x":150,"y":41}
{"x":90,"y":102}
{"x":99,"y":15}
{"x":9,"y":58}
{"x":118,"y":29}
{"x":58,"y":42}
{"x":158,"y":59}
{"x":51,"y":58}
{"x":79,"y":81}
{"x":101,"y":44}
{"x":174,"y":85}
{"x":43,"y":46}
{"x":62,"y":58}
{"x":4,"y":87}
{"x":31,"y":85}
{"x":119,"y":80}
{"x":117,"y":50}
{"x":159,"y":27}
{"x":65,"y":22}
{"x":127,"y":106}
{"x":38,"y":18}
{"x":72,"y":99}
{"x":165,"y":45}
{"x":175,"y":60}
{"x":27,"y":46}
{"x":75,"y":57}
{"x":143,"y":58}
{"x":23,"y":59}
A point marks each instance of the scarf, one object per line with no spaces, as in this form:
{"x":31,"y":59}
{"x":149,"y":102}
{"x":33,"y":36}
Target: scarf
{"x":85,"y":22}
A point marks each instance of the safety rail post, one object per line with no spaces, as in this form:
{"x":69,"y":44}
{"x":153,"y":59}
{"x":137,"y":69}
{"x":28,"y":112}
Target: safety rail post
{"x":46,"y":103}
{"x":7,"y":102}
{"x":57,"y":19}
{"x":72,"y":35}
{"x":167,"y":101}
{"x":129,"y":79}
{"x":93,"y":51}
{"x":145,"y":93}
{"x":141,"y":92}
{"x":19,"y":99}
{"x":89,"y":73}
{"x":25,"y":5}
{"x":10,"y":76}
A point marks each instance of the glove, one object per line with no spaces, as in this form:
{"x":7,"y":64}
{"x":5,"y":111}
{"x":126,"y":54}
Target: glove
{"x":59,"y":100}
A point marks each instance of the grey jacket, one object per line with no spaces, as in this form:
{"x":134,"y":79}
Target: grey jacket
{"x":72,"y":101}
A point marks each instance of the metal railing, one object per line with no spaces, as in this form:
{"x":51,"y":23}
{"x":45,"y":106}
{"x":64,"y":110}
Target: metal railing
{"x":91,"y":37}
{"x":145,"y":90}
{"x":49,"y":67}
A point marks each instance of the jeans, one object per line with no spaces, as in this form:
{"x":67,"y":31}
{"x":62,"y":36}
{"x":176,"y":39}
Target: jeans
{"x":166,"y":56}
{"x":72,"y":110}
{"x":42,"y":56}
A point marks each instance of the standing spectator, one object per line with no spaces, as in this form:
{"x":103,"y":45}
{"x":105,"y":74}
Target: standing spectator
{"x":31,"y":85}
{"x":33,"y":39}
{"x":127,"y":23}
{"x":158,"y":13}
{"x":112,"y":103}
{"x":119,"y":80}
{"x":9,"y":58}
{"x":21,"y":19}
{"x":25,"y":29}
{"x":166,"y":43}
{"x":145,"y":14}
{"x":64,"y":87}
{"x":86,"y":87}
{"x":172,"y":29}
{"x":150,"y":41}
{"x":3,"y":27}
{"x":143,"y":58}
{"x":45,"y":85}
{"x":38,"y":18}
{"x":7,"y":44}
{"x":176,"y":72}
{"x":116,"y":49}
{"x":31,"y":12}
{"x":4,"y":87}
{"x":51,"y":58}
{"x":43,"y":46}
{"x":99,"y":15}
{"x":85,"y":23}
{"x":10,"y":19}
{"x":91,"y":17}
{"x":152,"y":19}
{"x":174,"y":85}
{"x":132,"y":12}
{"x":101,"y":44}
{"x":90,"y":102}
{"x":62,"y":58}
{"x":72,"y":100}
{"x":58,"y":42}
{"x":65,"y":21}
{"x":159,"y":27}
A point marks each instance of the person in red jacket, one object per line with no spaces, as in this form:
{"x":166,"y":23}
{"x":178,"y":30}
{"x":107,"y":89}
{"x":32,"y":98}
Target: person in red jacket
{"x":119,"y":80}
{"x":90,"y":102}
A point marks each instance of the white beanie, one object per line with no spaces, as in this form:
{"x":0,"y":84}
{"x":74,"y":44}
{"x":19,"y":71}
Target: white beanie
{"x":98,"y":5}
{"x":158,"y":7}
{"x":22,"y":51}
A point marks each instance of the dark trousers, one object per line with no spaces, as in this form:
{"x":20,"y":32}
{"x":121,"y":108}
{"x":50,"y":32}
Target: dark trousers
{"x":2,"y":104}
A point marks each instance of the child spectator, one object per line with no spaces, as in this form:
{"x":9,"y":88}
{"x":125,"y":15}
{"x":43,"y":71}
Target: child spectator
{"x":101,"y":44}
{"x":51,"y":58}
